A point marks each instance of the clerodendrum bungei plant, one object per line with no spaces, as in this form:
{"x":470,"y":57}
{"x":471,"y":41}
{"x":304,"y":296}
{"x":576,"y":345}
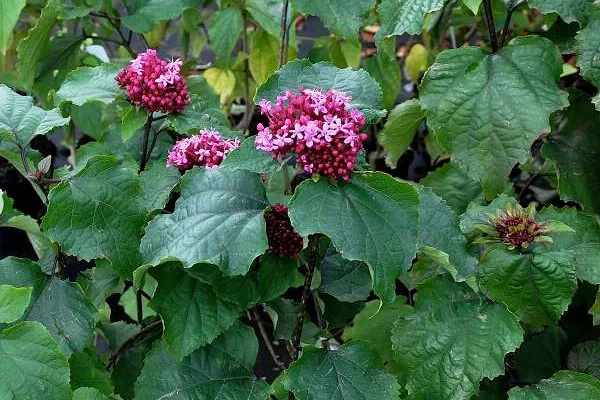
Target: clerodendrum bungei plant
{"x":306,"y":199}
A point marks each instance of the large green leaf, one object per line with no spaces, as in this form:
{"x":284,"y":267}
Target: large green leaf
{"x":89,"y":84}
{"x":540,"y":355}
{"x":199,"y":114}
{"x":268,"y":14}
{"x":68,"y":315}
{"x":536,"y":286}
{"x":22,"y":272}
{"x":365,"y":92}
{"x":351,"y":372}
{"x":569,"y":10}
{"x":372,"y":218}
{"x":99,"y":214}
{"x":276,"y":275}
{"x":584,"y":243}
{"x":562,"y":386}
{"x":218,"y":220}
{"x":144,"y":14}
{"x":78,"y":8}
{"x":31,"y":364}
{"x":157,"y":182}
{"x":22,"y":120}
{"x":344,"y":279}
{"x":248,"y":157}
{"x":453,"y":341}
{"x":487,"y":109}
{"x":13,"y":302}
{"x":221,"y":370}
{"x":585,"y":357}
{"x":192,"y":312}
{"x":405,"y":16}
{"x":439,"y":228}
{"x":386,"y":71}
{"x":399,"y":130}
{"x":88,"y":393}
{"x":224,"y":29}
{"x":588,"y":52}
{"x":9,"y":15}
{"x":88,"y":371}
{"x":343,"y":17}
{"x":454,"y":186}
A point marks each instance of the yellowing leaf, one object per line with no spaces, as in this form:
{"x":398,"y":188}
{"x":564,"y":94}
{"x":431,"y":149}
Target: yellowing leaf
{"x":417,"y":61}
{"x":222,"y":81}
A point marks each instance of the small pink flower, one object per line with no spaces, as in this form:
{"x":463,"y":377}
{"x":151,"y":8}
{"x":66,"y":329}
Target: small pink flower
{"x":207,"y":149}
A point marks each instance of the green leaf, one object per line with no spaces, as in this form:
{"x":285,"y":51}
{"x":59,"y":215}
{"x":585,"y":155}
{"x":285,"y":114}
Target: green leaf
{"x":404,"y":16}
{"x":439,"y":228}
{"x":284,"y":314}
{"x":78,"y":8}
{"x":512,"y":4}
{"x":89,"y":84}
{"x":365,"y":92}
{"x":199,"y":114}
{"x":193,"y":314}
{"x":344,"y":279}
{"x":348,"y":373}
{"x":276,"y":275}
{"x":22,"y":272}
{"x":86,"y":393}
{"x":88,"y":371}
{"x":488,"y":109}
{"x":343,"y":17}
{"x":31,"y":49}
{"x":575,"y":148}
{"x":69,"y":316}
{"x":21,"y":119}
{"x":133,"y":120}
{"x":249,"y":158}
{"x":268,"y":14}
{"x":222,"y":369}
{"x":477,"y":214}
{"x":373,"y":326}
{"x":263,"y":55}
{"x":540,"y":355}
{"x":224,"y":29}
{"x":157,"y":183}
{"x":372,"y":218}
{"x":537,"y":287}
{"x":584,"y":243}
{"x":569,"y":10}
{"x":386,"y":71}
{"x":13,"y":302}
{"x":472,"y":5}
{"x":144,"y":14}
{"x":31,"y":364}
{"x":453,"y":341}
{"x":585,"y":357}
{"x":454,"y":186}
{"x":9,"y":15}
{"x":399,"y":130}
{"x":217,"y":220}
{"x":563,"y":385}
{"x":99,"y":214}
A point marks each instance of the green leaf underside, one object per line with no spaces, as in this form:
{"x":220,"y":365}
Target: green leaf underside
{"x":365,"y":92}
{"x":98,"y":214}
{"x":23,"y":120}
{"x":537,"y":287}
{"x":563,"y":385}
{"x":348,"y":373}
{"x":343,"y":17}
{"x":439,"y":228}
{"x":31,"y":364}
{"x":400,"y":129}
{"x":192,"y":312}
{"x":488,"y":109}
{"x":221,"y":370}
{"x":89,"y":84}
{"x":372,"y":218}
{"x":453,"y":340}
{"x":217,"y":220}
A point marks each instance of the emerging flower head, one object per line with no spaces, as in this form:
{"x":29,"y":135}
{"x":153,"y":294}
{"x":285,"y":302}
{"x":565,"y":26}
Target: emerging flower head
{"x":155,"y":84}
{"x":319,"y":128}
{"x":283,"y":240}
{"x":207,"y":149}
{"x":517,"y":228}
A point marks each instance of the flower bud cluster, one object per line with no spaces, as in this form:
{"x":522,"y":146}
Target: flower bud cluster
{"x":155,"y":84}
{"x":319,"y":128}
{"x":283,"y":240}
{"x":206,"y":149}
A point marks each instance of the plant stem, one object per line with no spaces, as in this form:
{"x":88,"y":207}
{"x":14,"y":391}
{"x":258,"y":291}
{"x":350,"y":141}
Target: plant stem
{"x":313,"y":250}
{"x":132,"y":342}
{"x":249,"y":111}
{"x":138,"y":305}
{"x":506,"y":26}
{"x":283,"y":35}
{"x":255,"y":315}
{"x":143,"y":155}
{"x":489,"y":17}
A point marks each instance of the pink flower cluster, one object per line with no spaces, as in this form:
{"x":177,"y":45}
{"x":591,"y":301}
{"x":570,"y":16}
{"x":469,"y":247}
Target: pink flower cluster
{"x":206,"y":149}
{"x":155,"y":84}
{"x":319,"y":128}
